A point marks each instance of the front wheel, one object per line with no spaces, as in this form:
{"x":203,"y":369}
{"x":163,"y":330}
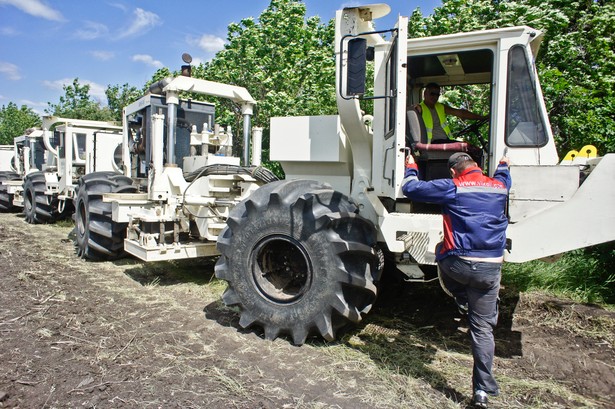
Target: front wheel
{"x":298,"y":259}
{"x":39,"y":207}
{"x":97,"y":236}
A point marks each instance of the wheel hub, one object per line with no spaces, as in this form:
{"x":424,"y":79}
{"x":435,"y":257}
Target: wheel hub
{"x":281,"y":269}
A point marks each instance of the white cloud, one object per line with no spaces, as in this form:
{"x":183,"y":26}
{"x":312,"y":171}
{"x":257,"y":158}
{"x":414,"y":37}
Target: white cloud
{"x":97,"y":91}
{"x":207,"y":42}
{"x":143,"y":22}
{"x":10,"y":71}
{"x":8,"y":31}
{"x":196,"y":61}
{"x":37,"y":107}
{"x":35,"y":8}
{"x":91,"y":31}
{"x":103,"y":55}
{"x":57,"y":84}
{"x":119,"y":6}
{"x":147,"y":59}
{"x":33,"y":104}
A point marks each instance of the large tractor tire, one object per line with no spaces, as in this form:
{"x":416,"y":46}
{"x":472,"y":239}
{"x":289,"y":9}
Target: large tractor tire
{"x":6,"y":199}
{"x":97,"y":236}
{"x":38,"y":207}
{"x":299,"y":260}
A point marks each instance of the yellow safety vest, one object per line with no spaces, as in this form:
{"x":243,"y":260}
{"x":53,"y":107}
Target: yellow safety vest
{"x":428,"y":120}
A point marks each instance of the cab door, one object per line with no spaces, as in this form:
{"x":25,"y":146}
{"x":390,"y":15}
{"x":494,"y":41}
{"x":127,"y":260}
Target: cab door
{"x":394,"y":123}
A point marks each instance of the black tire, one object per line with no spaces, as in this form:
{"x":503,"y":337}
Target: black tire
{"x":97,"y":236}
{"x":299,"y":259}
{"x":6,"y":198}
{"x":39,"y":208}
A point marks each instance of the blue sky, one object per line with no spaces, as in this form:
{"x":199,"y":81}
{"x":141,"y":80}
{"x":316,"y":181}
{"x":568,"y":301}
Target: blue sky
{"x":45,"y":44}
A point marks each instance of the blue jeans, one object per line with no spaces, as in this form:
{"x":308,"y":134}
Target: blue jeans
{"x":477,"y":284}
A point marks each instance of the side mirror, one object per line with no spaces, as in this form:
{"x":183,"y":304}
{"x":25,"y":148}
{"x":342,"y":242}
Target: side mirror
{"x":370,"y":54}
{"x":357,"y":71}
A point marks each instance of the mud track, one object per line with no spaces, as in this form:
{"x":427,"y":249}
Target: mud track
{"x":135,"y":335}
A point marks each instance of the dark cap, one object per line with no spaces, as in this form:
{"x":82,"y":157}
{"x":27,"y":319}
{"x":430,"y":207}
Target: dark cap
{"x":458,"y":157}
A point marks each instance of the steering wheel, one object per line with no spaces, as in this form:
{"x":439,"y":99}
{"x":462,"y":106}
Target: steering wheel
{"x":473,"y":129}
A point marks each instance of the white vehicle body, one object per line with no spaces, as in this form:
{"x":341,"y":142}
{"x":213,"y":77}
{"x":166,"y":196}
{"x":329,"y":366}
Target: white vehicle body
{"x":71,"y":148}
{"x":85,"y":147}
{"x":6,"y":157}
{"x":54,"y":158}
{"x":183,"y":175}
{"x":304,"y":255}
{"x":362,"y":155}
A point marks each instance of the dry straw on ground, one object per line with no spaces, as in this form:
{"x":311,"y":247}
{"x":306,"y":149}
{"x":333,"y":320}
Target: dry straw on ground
{"x":130,"y":334}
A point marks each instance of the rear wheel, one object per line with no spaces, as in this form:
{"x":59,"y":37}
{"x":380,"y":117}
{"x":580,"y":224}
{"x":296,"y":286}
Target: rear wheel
{"x":39,"y":207}
{"x":6,"y":199}
{"x":97,"y":236}
{"x":299,"y":260}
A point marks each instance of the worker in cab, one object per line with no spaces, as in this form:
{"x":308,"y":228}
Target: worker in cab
{"x":433,"y":114}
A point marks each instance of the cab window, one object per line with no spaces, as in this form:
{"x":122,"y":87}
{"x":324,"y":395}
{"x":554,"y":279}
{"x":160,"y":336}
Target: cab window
{"x":524,"y":125}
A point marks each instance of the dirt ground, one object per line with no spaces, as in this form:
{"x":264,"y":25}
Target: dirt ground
{"x":126,"y":334}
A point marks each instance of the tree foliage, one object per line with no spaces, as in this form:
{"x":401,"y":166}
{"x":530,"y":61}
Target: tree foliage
{"x":576,"y":62}
{"x":285,"y":60}
{"x":120,"y":96}
{"x":160,"y":74}
{"x":14,"y":121}
{"x":76,"y":103}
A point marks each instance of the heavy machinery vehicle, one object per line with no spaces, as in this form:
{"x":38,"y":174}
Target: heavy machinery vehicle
{"x":27,"y":152}
{"x":304,"y":255}
{"x":178,"y":180}
{"x":48,"y":162}
{"x":6,"y":174}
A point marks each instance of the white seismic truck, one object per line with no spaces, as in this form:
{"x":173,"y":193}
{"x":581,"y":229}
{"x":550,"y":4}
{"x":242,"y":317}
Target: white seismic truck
{"x":47,"y":163}
{"x":304,"y":255}
{"x":27,"y":152}
{"x":178,"y":179}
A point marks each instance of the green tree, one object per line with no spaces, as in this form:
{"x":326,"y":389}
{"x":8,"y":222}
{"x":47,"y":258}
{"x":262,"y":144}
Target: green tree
{"x":285,"y":60}
{"x":14,"y":121}
{"x":76,"y":103}
{"x":160,"y":74}
{"x":120,"y":96}
{"x":578,"y":69}
{"x":576,"y":62}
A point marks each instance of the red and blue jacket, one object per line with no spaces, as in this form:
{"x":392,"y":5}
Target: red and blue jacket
{"x":473,"y":209}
